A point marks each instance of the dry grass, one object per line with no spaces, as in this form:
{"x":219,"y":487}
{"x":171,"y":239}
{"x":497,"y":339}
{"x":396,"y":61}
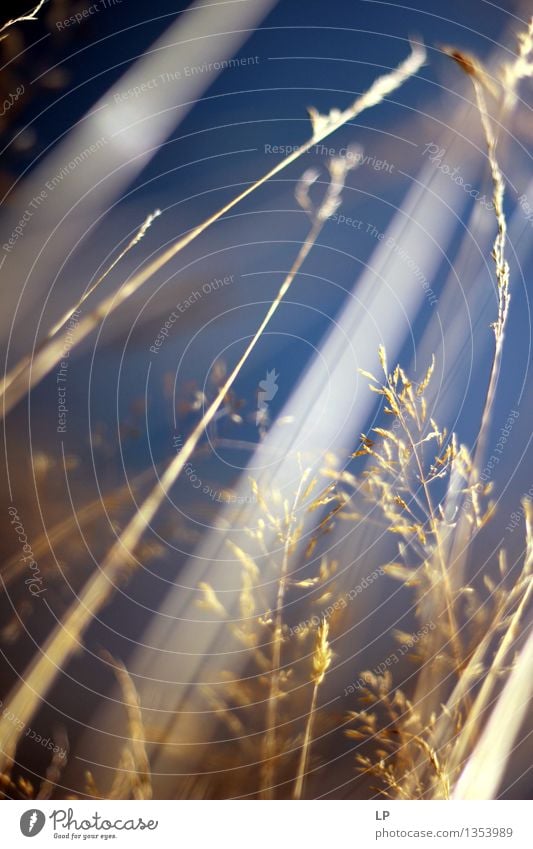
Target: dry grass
{"x":425,"y":485}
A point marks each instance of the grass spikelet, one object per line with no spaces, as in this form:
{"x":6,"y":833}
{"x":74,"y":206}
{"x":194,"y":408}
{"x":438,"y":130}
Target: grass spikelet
{"x":413,"y":483}
{"x":135,"y":763}
{"x":322,"y":655}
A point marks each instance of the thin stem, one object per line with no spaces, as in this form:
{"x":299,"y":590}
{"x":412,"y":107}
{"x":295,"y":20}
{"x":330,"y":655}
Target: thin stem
{"x":66,"y":637}
{"x":502,"y":273}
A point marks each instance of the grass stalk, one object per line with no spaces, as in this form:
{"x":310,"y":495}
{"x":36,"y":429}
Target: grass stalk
{"x":502,"y":272}
{"x":474,"y":717}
